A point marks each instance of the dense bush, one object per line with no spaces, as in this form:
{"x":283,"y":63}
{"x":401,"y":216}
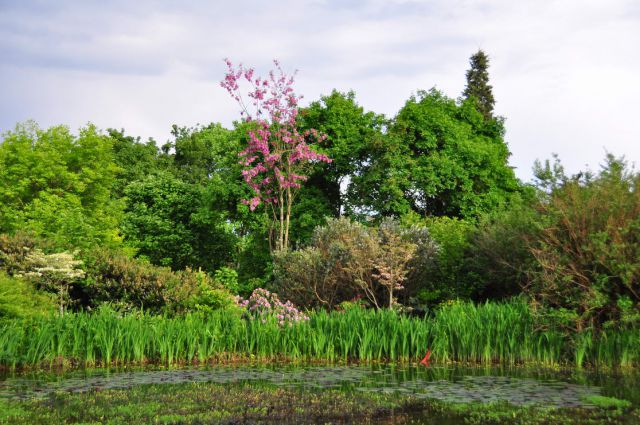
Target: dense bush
{"x":497,"y":258}
{"x":13,"y":251}
{"x":20,"y":299}
{"x":169,"y":222}
{"x":440,"y":278}
{"x":265,"y":305}
{"x":347,"y":259}
{"x":111,"y":276}
{"x":22,"y":256}
{"x":329,"y":270}
{"x":589,"y":249}
{"x":132,"y":283}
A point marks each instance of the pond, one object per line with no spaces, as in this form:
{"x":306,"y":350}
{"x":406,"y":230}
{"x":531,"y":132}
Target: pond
{"x":518,"y":386}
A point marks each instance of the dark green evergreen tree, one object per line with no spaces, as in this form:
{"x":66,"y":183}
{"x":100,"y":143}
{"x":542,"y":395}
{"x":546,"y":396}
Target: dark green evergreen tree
{"x":478,"y":85}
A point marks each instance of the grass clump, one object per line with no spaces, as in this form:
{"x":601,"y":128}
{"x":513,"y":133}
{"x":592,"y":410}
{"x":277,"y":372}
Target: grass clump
{"x":608,"y":402}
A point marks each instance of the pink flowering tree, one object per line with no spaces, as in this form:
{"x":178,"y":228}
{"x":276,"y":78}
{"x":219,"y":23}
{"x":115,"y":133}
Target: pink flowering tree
{"x":277,"y":155}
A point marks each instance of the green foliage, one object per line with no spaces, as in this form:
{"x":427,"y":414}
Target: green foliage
{"x":442,"y":278}
{"x":203,"y":152}
{"x":158,"y":217}
{"x":224,"y":230}
{"x":452,"y":236}
{"x":214,"y":294}
{"x":350,"y":133}
{"x":112,"y":276}
{"x":310,"y":210}
{"x":167,"y":221}
{"x":136,"y":160}
{"x":588,"y":251}
{"x":58,"y":185}
{"x":20,"y":299}
{"x":228,"y":278}
{"x":439,"y":158}
{"x":498,"y":257}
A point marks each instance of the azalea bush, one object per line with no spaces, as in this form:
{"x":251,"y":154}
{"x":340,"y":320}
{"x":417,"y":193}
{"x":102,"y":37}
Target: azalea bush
{"x":263,"y":304}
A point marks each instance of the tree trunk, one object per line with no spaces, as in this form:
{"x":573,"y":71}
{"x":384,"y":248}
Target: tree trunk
{"x":61,"y":299}
{"x":288,"y":219}
{"x":281,"y":226}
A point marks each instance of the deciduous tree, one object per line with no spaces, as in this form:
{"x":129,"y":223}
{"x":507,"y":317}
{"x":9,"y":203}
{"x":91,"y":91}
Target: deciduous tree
{"x":278,"y":154}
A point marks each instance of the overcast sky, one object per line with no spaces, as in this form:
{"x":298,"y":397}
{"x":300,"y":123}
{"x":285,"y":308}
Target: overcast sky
{"x":566,"y":74}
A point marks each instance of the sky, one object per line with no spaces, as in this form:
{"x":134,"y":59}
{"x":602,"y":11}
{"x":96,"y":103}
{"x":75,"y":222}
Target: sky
{"x":565,"y":74}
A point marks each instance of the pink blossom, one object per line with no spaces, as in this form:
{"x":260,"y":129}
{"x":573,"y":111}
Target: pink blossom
{"x":277,"y":153}
{"x":263,"y":304}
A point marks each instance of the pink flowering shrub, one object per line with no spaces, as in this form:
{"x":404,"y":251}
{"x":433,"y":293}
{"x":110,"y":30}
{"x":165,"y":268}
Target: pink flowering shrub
{"x":263,"y":304}
{"x":277,"y":154}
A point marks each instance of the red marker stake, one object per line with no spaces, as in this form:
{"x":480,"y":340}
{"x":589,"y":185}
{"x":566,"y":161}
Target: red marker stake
{"x":425,"y":360}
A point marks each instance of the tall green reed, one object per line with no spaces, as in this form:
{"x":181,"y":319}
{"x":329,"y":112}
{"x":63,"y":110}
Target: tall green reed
{"x":462,"y":332}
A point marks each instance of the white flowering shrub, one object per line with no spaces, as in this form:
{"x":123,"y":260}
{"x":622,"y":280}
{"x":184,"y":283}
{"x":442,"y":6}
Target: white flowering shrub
{"x":56,"y":272}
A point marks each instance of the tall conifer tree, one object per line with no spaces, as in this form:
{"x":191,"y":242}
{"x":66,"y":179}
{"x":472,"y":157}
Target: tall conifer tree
{"x":478,"y":84}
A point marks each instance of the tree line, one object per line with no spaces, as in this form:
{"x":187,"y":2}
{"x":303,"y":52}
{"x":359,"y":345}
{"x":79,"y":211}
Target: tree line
{"x":433,"y":180}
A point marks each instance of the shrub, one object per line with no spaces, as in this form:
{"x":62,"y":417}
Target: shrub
{"x":497,"y":259}
{"x":331,"y":269}
{"x":263,"y":304}
{"x":14,"y":249}
{"x":397,"y":252}
{"x":21,"y":256}
{"x":228,"y":278}
{"x":346,"y":259}
{"x":54,"y":272}
{"x":304,"y":277}
{"x":436,"y":274}
{"x":589,"y":249}
{"x":20,"y":299}
{"x":113,"y":277}
{"x":211,"y":294}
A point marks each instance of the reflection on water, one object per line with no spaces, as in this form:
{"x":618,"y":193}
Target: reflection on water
{"x":457,"y":384}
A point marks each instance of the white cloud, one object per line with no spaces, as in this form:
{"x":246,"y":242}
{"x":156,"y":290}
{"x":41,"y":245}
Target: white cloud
{"x":564,"y":72}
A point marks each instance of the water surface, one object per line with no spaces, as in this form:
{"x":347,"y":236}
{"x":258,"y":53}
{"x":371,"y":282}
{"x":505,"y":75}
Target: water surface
{"x":519,"y":386}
